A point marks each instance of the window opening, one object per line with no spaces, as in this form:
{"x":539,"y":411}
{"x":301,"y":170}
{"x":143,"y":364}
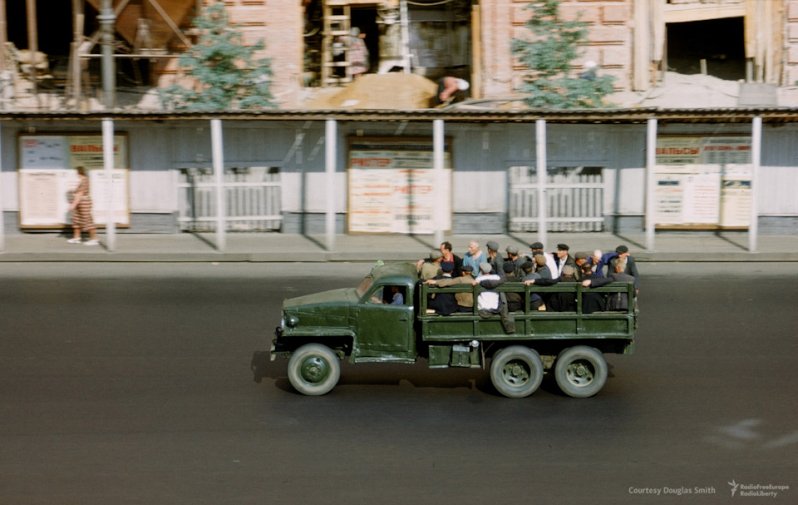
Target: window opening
{"x":718,"y":42}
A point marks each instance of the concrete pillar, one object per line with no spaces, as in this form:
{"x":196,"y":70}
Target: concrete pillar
{"x":330,"y":155}
{"x":651,"y":181}
{"x":437,"y":165}
{"x":542,"y":172}
{"x":217,"y":153}
{"x":756,"y":160}
{"x":108,"y":168}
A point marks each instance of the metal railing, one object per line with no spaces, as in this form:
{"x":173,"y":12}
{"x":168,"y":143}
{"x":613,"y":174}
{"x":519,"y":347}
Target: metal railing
{"x":253,"y":199}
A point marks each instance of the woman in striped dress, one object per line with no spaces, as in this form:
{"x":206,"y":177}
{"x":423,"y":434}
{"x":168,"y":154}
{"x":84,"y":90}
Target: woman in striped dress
{"x":81,"y":211}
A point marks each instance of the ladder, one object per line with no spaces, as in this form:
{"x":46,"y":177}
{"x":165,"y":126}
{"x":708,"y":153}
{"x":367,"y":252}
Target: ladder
{"x":335,"y":66}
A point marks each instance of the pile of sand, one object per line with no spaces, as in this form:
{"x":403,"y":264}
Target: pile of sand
{"x":379,"y":91}
{"x":683,"y":91}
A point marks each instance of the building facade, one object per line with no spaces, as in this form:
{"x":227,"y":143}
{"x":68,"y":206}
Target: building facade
{"x":277,"y":169}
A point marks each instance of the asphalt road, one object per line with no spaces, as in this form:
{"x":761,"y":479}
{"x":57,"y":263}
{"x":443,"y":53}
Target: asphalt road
{"x":123,"y":384}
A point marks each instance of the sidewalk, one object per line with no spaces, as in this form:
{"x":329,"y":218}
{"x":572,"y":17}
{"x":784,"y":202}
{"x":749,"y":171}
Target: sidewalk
{"x":278,"y":247}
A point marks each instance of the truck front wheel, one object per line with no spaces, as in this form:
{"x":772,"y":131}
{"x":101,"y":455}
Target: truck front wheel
{"x":580,"y":371}
{"x":314,"y":369}
{"x":516,"y":371}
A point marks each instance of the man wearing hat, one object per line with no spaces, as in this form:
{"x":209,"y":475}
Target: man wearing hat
{"x":494,"y":258}
{"x":430,"y":267}
{"x":561,"y":258}
{"x":631,"y":267}
{"x":515,"y":259}
{"x":537,"y":248}
{"x":621,"y":253}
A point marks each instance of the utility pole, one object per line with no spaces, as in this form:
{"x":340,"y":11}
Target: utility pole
{"x":33,"y":46}
{"x":75,"y":60}
{"x":107,"y":19}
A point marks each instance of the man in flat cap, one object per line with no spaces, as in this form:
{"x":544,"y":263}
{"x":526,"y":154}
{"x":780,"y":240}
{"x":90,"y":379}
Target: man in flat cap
{"x":620,"y":254}
{"x":429,"y":267}
{"x":562,"y":257}
{"x":494,"y":258}
{"x":536,"y":248}
{"x":515,"y":259}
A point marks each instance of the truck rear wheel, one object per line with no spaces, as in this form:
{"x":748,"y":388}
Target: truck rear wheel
{"x":516,"y":371}
{"x":314,"y":369}
{"x":580,"y":371}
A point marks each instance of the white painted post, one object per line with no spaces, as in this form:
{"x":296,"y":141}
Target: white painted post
{"x":651,"y":181}
{"x":108,"y":168}
{"x":756,"y":160}
{"x":217,"y":154}
{"x":540,"y":145}
{"x":439,"y":207}
{"x":330,"y":154}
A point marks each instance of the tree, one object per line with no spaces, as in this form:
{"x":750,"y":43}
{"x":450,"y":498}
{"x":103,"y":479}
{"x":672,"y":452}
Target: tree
{"x":225,"y":74}
{"x":548,"y":56}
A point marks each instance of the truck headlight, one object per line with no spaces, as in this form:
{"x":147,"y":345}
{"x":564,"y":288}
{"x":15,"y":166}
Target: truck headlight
{"x":291,"y":321}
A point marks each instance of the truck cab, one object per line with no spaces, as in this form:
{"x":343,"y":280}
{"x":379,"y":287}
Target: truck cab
{"x":386,"y":319}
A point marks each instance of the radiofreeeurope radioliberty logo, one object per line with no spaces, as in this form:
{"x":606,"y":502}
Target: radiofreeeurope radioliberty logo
{"x":757,"y":490}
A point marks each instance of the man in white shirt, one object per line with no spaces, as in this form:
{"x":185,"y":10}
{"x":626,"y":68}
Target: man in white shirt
{"x":537,"y":248}
{"x":487,"y":300}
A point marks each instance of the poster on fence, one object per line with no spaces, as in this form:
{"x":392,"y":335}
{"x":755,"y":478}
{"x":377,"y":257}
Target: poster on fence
{"x":703,"y":182}
{"x":47,"y":176}
{"x":394,"y":189}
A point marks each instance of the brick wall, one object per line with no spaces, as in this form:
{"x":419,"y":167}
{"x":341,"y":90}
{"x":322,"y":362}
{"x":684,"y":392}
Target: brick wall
{"x":609,"y":34}
{"x":791,"y":43}
{"x":280,"y":24}
{"x":497,"y":62}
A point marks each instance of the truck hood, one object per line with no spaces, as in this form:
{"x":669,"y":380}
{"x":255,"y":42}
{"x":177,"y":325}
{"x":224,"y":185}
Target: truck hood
{"x":347,"y":295}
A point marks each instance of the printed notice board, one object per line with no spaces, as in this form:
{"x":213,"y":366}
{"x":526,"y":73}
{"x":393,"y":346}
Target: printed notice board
{"x":393,"y":187}
{"x":703,"y":182}
{"x":47,"y":176}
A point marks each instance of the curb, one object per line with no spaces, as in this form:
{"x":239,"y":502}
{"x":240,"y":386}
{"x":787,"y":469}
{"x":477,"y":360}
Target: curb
{"x":355,"y":257}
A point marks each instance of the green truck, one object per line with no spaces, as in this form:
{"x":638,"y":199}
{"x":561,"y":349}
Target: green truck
{"x":362,"y":325}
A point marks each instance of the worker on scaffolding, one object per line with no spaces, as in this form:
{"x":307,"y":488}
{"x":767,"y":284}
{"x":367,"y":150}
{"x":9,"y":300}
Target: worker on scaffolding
{"x":450,"y":90}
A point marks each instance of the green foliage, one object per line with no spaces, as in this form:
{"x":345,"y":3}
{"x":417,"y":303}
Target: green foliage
{"x":226,"y":75}
{"x":548,"y":56}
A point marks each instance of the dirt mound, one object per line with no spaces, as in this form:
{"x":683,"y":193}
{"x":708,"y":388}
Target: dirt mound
{"x":380,"y":91}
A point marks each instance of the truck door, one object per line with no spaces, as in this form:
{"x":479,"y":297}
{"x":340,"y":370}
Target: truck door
{"x":384,"y":322}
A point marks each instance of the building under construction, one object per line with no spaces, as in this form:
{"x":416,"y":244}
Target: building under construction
{"x":54,"y":51}
{"x":702,"y":135}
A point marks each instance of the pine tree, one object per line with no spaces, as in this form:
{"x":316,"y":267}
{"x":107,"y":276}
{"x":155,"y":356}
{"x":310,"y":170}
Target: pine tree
{"x":226,"y":76}
{"x":555,"y":44}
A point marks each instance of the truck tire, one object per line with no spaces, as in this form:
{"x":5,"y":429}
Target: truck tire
{"x":314,"y":369}
{"x":516,"y":371}
{"x":580,"y":371}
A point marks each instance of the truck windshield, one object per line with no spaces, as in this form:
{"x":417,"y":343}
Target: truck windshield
{"x":364,"y":285}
